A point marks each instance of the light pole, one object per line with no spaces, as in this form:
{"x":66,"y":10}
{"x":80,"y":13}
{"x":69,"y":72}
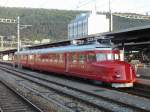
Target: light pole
{"x":110,"y":17}
{"x":2,"y":42}
{"x":19,"y":27}
{"x":18,"y":40}
{"x":18,"y":33}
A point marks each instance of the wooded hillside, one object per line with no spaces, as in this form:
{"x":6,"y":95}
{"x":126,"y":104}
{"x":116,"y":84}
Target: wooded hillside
{"x":45,"y":23}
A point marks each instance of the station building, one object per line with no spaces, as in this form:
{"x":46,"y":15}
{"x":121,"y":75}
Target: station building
{"x":87,"y":24}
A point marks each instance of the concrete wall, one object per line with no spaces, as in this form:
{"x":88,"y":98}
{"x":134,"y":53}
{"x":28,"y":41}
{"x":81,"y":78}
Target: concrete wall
{"x":98,"y":24}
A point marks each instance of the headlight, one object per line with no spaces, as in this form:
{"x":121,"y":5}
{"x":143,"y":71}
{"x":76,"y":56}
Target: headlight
{"x":117,"y":76}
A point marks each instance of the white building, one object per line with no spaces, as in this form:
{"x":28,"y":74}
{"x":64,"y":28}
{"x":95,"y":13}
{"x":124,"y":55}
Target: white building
{"x":87,"y":24}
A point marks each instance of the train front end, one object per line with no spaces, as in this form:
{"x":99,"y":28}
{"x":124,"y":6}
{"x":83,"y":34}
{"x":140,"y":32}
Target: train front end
{"x":110,"y":69}
{"x":120,"y":73}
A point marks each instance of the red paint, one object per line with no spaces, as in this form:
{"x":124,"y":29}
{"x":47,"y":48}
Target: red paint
{"x":112,"y":71}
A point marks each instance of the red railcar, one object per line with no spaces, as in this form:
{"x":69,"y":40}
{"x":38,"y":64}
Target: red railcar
{"x":95,"y":62}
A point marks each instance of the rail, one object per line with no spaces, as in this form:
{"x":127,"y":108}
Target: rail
{"x":75,"y":90}
{"x":27,"y":105}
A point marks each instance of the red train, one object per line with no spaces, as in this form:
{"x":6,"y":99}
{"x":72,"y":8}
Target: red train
{"x":97,"y":62}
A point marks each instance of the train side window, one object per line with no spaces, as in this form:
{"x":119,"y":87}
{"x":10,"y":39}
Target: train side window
{"x":110,"y":56}
{"x":25,"y":57}
{"x":60,"y":58}
{"x":74,"y":58}
{"x":116,"y":57}
{"x":22,"y":57}
{"x":15,"y":57}
{"x":101,"y":57}
{"x":36,"y":59}
{"x":82,"y":58}
{"x":55,"y":58}
{"x":91,"y":57}
{"x":39,"y":58}
{"x":50,"y":58}
{"x":31,"y":57}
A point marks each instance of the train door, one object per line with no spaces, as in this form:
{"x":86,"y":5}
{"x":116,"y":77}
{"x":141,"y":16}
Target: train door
{"x":91,"y":58}
{"x":81,"y":66}
{"x":73,"y":62}
{"x":31,"y":60}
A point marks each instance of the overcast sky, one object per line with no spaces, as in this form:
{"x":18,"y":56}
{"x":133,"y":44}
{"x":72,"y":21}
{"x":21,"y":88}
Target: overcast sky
{"x":138,"y":6}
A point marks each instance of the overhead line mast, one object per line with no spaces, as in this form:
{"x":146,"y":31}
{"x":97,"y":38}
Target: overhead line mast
{"x":110,"y":17}
{"x":18,"y":33}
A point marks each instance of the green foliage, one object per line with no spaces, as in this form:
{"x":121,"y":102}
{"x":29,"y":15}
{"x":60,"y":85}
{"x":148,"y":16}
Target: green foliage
{"x":45,"y":23}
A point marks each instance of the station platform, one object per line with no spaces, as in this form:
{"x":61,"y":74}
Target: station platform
{"x":6,"y":62}
{"x":144,"y":70}
{"x":143,"y":81}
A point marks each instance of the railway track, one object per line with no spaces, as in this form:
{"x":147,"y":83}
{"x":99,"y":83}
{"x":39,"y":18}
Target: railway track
{"x":12,"y":101}
{"x":138,"y":90}
{"x":145,"y":77}
{"x":100,"y":102}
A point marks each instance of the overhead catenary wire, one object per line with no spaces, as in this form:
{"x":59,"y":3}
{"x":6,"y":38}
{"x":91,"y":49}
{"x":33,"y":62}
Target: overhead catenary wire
{"x":81,"y":4}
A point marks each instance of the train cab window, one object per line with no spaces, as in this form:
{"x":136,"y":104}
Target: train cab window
{"x":111,"y":56}
{"x":82,"y":58}
{"x":91,"y":57}
{"x":101,"y":57}
{"x":107,"y":56}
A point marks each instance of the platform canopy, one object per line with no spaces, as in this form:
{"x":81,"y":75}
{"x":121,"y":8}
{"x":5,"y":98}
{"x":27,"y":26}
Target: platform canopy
{"x":8,"y":51}
{"x":136,"y":35}
{"x":137,"y":38}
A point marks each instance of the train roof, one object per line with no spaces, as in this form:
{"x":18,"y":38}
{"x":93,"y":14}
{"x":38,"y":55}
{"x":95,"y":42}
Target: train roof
{"x":70,"y":48}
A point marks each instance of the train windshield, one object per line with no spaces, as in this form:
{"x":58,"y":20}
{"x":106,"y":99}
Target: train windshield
{"x":107,"y":56}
